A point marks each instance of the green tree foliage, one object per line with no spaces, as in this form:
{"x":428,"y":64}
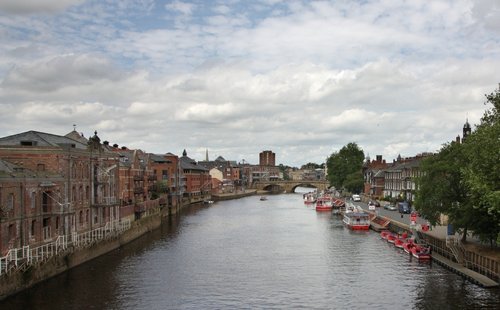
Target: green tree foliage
{"x":312,"y":166}
{"x":344,"y":168}
{"x":463,"y":180}
{"x":159,"y":188}
{"x":482,"y":172}
{"x":440,"y":188}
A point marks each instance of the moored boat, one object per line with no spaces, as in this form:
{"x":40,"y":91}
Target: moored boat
{"x":400,"y":240}
{"x":262,"y":198}
{"x":421,"y":252}
{"x":309,"y":198}
{"x":384,"y":234}
{"x":357,"y":220}
{"x":324,"y":203}
{"x":391,"y":237}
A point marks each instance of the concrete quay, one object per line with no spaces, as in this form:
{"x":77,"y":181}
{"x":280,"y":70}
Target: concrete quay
{"x":235,"y":195}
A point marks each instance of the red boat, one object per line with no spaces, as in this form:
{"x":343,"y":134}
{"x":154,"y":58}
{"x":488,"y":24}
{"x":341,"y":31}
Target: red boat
{"x":324,"y":203}
{"x":384,"y":234}
{"x":408,"y":245}
{"x":400,"y":240}
{"x":419,"y":251}
{"x":391,"y":237}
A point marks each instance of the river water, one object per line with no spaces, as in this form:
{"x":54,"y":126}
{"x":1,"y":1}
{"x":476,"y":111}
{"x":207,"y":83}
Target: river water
{"x":251,"y":254}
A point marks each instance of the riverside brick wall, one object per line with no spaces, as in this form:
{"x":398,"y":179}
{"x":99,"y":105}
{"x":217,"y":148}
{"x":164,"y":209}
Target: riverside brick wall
{"x":18,"y":281}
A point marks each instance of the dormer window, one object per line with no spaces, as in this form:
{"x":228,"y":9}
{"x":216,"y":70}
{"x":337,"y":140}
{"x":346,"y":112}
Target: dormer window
{"x":28,"y":143}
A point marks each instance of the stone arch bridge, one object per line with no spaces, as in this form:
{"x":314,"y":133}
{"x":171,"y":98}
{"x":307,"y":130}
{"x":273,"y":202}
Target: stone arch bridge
{"x":288,"y":186}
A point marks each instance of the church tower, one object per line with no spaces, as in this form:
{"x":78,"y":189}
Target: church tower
{"x":467,"y":130}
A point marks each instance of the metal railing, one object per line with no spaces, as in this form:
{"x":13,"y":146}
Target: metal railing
{"x":456,"y":247}
{"x":22,"y":258}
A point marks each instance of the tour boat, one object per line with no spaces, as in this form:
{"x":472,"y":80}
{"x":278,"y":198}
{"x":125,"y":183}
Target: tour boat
{"x":309,"y":198}
{"x":324,"y":203}
{"x":357,"y":220}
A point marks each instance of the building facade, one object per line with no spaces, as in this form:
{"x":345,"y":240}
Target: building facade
{"x":59,"y":185}
{"x":267,"y":158}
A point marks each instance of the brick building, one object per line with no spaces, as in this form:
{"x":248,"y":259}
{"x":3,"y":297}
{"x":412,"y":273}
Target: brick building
{"x":267,"y":158}
{"x":197,"y":180}
{"x":374,"y":177}
{"x":58,"y":185}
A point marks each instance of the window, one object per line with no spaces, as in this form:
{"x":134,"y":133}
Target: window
{"x":28,"y":143}
{"x":40,"y":167}
{"x":32,"y":230}
{"x":33,"y":200}
{"x":10,"y":202}
{"x":12,"y":232}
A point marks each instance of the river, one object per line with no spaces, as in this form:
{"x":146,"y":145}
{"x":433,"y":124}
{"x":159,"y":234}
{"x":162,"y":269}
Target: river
{"x":252,"y":254}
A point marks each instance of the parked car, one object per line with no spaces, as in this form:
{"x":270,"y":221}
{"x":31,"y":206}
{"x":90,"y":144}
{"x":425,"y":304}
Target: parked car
{"x":390,"y":207}
{"x":404,"y":207}
{"x":356,"y":197}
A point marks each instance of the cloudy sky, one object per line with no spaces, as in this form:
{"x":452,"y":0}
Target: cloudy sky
{"x":236,"y":77}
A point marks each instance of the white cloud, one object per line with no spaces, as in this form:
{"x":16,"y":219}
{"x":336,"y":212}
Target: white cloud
{"x":300,"y":78}
{"x":182,"y":7}
{"x":36,"y":6}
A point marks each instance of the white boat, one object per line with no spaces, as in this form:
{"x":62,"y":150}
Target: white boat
{"x":357,"y":220}
{"x":309,"y":198}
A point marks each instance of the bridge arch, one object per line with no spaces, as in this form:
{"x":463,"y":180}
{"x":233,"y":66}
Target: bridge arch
{"x":305,"y":184}
{"x":274,"y":188}
{"x":288,"y":186}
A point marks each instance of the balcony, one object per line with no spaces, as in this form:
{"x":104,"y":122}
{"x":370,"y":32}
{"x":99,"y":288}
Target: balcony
{"x":138,"y":190}
{"x":138,"y":178}
{"x":105,"y":202}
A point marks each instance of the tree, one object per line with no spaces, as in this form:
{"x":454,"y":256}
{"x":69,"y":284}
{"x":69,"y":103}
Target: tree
{"x":482,"y":173}
{"x":344,"y":168}
{"x":440,"y":188}
{"x":463,"y":180}
{"x":159,"y":188}
{"x":311,"y":166}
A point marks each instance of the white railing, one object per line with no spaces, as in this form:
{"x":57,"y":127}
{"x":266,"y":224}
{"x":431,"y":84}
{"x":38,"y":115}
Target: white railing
{"x":19,"y":258}
{"x":456,"y":247}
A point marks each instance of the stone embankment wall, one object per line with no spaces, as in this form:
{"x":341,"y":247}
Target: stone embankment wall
{"x":20,"y":280}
